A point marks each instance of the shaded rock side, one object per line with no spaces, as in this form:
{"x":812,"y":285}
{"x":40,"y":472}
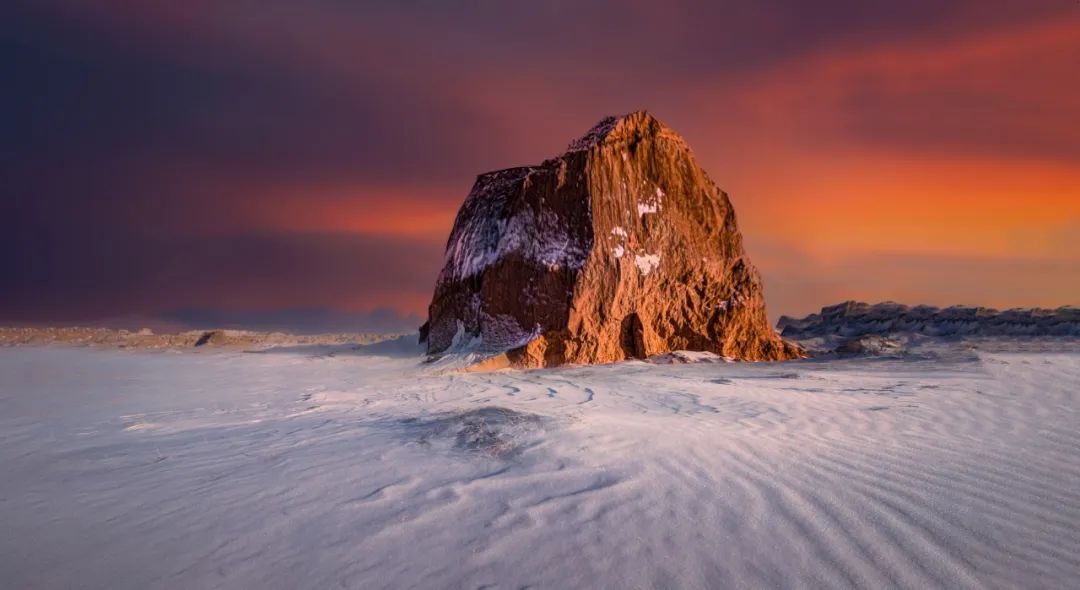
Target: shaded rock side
{"x":620,"y":248}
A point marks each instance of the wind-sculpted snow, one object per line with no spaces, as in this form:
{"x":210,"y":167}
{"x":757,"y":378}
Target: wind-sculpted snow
{"x":492,"y":431}
{"x":364,"y":467}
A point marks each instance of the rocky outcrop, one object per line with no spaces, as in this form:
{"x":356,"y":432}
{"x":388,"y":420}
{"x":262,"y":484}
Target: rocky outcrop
{"x":620,"y":248}
{"x":853,"y":319}
{"x":869,"y":345}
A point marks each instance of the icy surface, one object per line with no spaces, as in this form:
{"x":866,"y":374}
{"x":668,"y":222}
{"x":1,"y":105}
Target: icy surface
{"x":335,"y":466}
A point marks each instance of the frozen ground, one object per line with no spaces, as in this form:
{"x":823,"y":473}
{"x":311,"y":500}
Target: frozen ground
{"x":326,"y":467}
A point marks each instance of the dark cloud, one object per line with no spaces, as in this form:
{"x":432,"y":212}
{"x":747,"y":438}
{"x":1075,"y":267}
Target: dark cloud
{"x":92,"y":99}
{"x":314,"y":320}
{"x":92,"y":274}
{"x":143,"y":144}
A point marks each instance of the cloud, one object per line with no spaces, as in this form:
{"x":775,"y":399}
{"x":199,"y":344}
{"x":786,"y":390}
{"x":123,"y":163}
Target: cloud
{"x":797,"y":284}
{"x":317,"y":320}
{"x":282,"y":155}
{"x":81,"y":276}
{"x":1002,"y":92}
{"x":94,"y":102}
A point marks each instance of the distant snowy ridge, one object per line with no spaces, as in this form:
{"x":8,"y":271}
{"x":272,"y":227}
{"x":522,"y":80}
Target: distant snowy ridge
{"x":148,"y":339}
{"x":853,"y":319}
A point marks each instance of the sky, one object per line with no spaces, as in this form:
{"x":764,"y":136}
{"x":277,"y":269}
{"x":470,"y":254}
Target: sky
{"x":298,"y":164}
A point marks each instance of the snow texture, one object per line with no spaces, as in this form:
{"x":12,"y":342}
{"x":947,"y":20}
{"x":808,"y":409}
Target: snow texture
{"x":362,"y":467}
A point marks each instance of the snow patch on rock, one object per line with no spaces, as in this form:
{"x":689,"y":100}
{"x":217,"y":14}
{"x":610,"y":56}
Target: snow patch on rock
{"x":540,"y":237}
{"x":651,"y":204}
{"x":647,"y":207}
{"x":464,"y":342}
{"x":484,"y":233}
{"x":647,"y":263}
{"x":498,"y":333}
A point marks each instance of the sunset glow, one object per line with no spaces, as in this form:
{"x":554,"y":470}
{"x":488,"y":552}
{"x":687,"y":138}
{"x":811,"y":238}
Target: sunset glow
{"x":293,"y":156}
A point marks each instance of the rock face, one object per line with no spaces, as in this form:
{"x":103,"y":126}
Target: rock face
{"x":620,"y":248}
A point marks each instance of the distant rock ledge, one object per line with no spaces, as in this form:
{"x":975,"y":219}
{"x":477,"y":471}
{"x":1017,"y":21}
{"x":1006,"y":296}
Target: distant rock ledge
{"x":859,"y":328}
{"x":147,"y":339}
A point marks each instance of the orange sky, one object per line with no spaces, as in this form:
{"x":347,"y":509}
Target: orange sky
{"x":928,"y":154}
{"x":846,"y":206}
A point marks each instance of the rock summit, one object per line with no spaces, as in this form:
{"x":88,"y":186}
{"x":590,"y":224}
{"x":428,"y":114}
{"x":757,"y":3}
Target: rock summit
{"x":622,"y":247}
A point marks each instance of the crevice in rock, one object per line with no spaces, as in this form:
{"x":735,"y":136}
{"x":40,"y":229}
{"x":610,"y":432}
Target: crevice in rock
{"x":632,"y":337}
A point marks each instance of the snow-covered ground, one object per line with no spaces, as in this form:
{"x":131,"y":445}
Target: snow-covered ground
{"x":325,"y":467}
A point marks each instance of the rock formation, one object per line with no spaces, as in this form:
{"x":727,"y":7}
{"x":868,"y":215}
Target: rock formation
{"x":854,"y":319}
{"x":622,"y":247}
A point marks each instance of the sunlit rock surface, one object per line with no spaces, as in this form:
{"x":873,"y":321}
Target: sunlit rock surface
{"x":622,"y":247}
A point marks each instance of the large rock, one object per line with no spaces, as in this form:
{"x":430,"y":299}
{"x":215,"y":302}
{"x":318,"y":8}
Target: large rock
{"x":622,"y":247}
